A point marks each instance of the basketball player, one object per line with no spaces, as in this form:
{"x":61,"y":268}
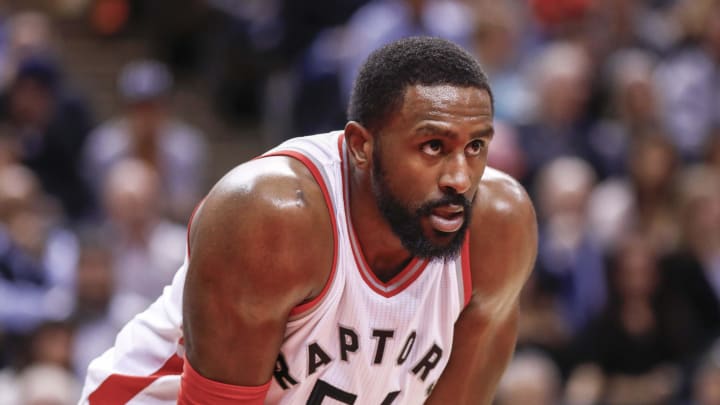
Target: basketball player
{"x":377,"y":265}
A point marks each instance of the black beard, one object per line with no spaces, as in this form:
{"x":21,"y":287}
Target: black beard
{"x":405,"y":221}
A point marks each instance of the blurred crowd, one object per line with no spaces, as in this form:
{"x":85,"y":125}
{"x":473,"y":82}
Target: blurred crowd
{"x":607,"y":111}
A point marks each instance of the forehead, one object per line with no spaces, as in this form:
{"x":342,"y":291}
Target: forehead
{"x":445,"y":103}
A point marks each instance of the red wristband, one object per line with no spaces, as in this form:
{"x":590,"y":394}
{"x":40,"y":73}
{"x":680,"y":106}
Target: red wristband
{"x":198,"y":390}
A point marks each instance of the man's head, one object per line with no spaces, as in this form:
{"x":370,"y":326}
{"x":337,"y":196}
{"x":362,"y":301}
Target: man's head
{"x":145,"y":86}
{"x":132,"y":195}
{"x":420,"y":123}
{"x":386,"y":75}
{"x":33,"y":92}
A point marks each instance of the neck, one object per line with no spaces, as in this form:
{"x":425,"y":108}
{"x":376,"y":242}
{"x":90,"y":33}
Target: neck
{"x":382,"y":250}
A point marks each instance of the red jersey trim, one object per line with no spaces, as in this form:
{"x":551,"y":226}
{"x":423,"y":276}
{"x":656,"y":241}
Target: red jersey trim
{"x":305,"y":307}
{"x":196,"y":389}
{"x":467,"y":275}
{"x":120,"y":388}
{"x":402,"y":280}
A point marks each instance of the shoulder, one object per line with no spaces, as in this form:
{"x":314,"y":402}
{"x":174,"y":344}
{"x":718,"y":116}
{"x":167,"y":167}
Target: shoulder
{"x":503,"y":238}
{"x":277,"y":188}
{"x":502,"y":204}
{"x":264,"y":221}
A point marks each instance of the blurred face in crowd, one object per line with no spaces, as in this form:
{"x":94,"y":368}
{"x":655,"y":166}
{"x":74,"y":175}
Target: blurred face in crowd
{"x":652,"y":162}
{"x":29,"y":32}
{"x":703,"y":224}
{"x":23,"y":209}
{"x":564,"y":187}
{"x":637,"y":101}
{"x":564,"y":98}
{"x":636,"y":272}
{"x":30,"y":103}
{"x":132,"y":194}
{"x":52,"y":344}
{"x":147,"y":117}
{"x":95,"y":282}
{"x":495,"y":36}
{"x":563,"y":84}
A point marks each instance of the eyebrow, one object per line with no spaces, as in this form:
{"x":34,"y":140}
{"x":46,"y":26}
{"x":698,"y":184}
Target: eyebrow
{"x":430,"y":129}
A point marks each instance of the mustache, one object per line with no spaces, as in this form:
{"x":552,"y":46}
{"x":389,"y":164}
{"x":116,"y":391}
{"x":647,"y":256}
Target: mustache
{"x":447,"y":199}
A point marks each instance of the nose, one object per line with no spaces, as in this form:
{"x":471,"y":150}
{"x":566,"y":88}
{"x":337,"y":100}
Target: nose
{"x":455,"y":175}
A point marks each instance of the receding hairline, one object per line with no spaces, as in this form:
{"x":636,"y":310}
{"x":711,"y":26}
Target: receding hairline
{"x":398,"y":105}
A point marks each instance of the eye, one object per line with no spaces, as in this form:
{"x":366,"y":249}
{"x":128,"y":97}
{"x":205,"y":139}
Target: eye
{"x":432,"y":148}
{"x":475,"y":147}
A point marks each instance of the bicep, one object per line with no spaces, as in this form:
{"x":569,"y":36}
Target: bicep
{"x":246,"y":273}
{"x":233,"y":323}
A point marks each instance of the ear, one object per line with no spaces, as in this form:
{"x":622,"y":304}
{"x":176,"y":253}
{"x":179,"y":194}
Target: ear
{"x":360,"y":144}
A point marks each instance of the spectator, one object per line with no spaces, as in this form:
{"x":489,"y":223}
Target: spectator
{"x":99,"y":311}
{"x":48,"y":127}
{"x":688,"y":80}
{"x":631,"y":341}
{"x":692,"y":272}
{"x":496,"y":42}
{"x":644,"y":199}
{"x":633,"y":110}
{"x":28,"y":35}
{"x":37,"y":257}
{"x":149,"y":132}
{"x":147,"y":248}
{"x":561,"y":91}
{"x":570,"y":261}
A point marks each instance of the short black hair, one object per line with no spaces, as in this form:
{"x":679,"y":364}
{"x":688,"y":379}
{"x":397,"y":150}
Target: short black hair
{"x":387,"y":73}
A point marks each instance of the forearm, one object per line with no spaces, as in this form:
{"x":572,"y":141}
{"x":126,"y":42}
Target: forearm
{"x":476,"y":364}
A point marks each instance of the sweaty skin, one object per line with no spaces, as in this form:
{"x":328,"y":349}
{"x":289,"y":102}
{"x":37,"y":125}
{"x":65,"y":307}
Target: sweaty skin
{"x":249,"y":267}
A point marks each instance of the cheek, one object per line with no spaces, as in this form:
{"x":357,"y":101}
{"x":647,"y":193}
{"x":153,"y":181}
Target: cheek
{"x":405,"y":173}
{"x":419,"y":182}
{"x":477,"y":169}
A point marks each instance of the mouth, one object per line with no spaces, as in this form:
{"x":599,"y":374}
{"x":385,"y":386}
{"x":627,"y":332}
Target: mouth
{"x":447,"y":218}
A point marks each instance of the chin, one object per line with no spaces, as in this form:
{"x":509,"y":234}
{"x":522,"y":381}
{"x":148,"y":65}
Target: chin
{"x":437,"y":245}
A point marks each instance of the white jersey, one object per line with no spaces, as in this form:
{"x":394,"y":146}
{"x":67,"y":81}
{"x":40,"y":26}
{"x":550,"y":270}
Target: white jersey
{"x":361,"y":341}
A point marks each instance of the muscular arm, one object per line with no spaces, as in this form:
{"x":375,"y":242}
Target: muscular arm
{"x":260,"y":245}
{"x":503,"y":247}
